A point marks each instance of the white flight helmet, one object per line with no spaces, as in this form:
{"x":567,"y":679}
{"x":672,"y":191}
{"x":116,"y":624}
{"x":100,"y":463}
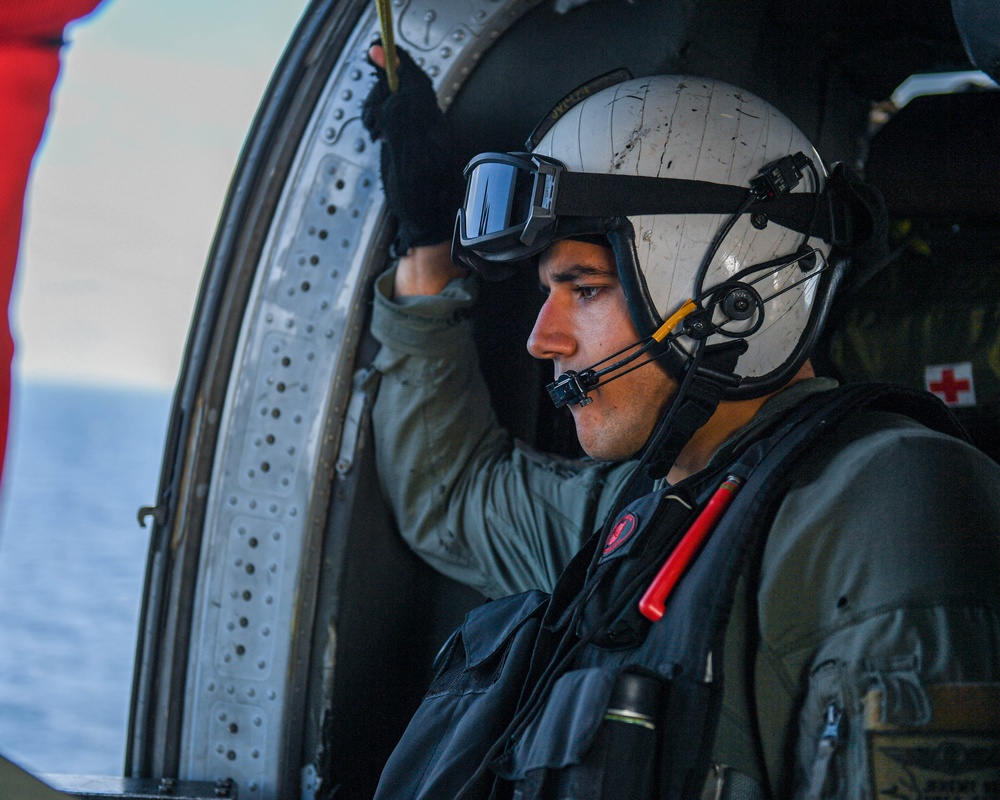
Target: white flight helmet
{"x":673,"y":126}
{"x":715,"y":206}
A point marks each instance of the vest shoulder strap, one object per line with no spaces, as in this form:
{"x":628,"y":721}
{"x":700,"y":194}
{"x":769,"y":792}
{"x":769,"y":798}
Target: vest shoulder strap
{"x":691,"y":633}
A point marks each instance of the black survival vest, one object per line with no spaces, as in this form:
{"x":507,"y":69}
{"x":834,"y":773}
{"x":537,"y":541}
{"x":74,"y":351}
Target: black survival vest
{"x":578,"y":695}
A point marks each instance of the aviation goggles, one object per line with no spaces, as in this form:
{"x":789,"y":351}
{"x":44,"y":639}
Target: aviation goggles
{"x":517,"y":204}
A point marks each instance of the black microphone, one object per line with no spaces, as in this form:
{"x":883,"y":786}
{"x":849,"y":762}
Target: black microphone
{"x":571,"y":388}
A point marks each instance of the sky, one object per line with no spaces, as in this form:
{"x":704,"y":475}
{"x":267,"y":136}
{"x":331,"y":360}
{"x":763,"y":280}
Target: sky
{"x":153,"y":104}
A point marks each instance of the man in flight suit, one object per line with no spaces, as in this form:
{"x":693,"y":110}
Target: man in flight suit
{"x":862,"y":649}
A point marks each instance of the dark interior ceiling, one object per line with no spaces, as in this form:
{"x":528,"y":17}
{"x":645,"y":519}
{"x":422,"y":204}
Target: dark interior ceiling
{"x":822,"y":63}
{"x":939,"y":157}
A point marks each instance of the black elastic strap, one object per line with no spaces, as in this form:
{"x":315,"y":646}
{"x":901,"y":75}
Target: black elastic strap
{"x":696,"y":402}
{"x":589,"y":194}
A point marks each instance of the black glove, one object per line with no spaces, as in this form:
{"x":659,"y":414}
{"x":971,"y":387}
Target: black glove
{"x":423,"y":185}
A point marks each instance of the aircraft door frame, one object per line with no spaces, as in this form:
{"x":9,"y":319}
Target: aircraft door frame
{"x":225,"y":638}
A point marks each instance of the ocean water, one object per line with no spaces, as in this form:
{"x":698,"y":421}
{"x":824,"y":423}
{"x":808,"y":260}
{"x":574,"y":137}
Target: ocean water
{"x":80,"y":463}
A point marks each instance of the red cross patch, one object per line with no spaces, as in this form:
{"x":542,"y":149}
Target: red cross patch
{"x":952,"y":383}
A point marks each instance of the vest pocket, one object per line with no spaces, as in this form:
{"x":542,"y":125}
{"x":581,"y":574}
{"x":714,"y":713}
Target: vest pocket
{"x":474,"y":657}
{"x":595,"y":739}
{"x":480,"y":675}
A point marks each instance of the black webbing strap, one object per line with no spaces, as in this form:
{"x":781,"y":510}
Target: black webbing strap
{"x":586,"y":194}
{"x":697,"y":401}
{"x":848,"y":213}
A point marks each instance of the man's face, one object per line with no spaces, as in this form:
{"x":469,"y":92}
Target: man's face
{"x":584,"y":320}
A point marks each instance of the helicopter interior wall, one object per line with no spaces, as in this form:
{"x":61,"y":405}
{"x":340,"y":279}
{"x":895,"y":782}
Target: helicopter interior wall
{"x":786,"y":52}
{"x":938,"y":157}
{"x":936,"y":302}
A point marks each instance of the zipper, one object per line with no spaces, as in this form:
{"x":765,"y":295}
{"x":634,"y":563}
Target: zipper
{"x":824,"y":752}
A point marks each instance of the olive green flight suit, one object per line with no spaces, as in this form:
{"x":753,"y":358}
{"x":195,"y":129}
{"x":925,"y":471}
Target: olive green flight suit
{"x":878,"y":594}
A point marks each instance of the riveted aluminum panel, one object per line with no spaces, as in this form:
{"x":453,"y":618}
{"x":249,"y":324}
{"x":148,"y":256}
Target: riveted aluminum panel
{"x":287,"y":395}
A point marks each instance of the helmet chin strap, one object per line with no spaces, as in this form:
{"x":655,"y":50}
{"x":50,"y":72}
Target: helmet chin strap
{"x":710,"y":372}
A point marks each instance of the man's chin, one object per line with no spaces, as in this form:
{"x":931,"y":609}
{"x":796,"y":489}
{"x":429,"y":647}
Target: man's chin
{"x":600,"y":449}
{"x":603,"y":441}
{"x":607,"y":456}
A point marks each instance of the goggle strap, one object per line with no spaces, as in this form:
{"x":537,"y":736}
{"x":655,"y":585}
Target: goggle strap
{"x":590,"y":194}
{"x":593,"y":194}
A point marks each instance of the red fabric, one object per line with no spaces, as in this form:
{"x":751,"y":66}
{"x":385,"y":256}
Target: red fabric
{"x":27,"y":19}
{"x":30,"y":36}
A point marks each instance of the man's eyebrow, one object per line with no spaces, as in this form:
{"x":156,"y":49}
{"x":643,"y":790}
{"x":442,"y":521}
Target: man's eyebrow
{"x":577,"y":271}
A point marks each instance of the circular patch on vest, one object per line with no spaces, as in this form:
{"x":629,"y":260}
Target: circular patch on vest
{"x":621,"y":533}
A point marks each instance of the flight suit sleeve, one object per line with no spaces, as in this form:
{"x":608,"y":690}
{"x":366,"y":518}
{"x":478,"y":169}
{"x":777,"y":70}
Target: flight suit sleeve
{"x":478,"y":506}
{"x":878,"y":668}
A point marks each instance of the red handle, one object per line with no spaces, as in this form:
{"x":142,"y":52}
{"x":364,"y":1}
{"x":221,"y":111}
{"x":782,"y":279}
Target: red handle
{"x":653,"y":602}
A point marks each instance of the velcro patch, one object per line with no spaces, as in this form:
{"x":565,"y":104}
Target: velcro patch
{"x":955,"y":757}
